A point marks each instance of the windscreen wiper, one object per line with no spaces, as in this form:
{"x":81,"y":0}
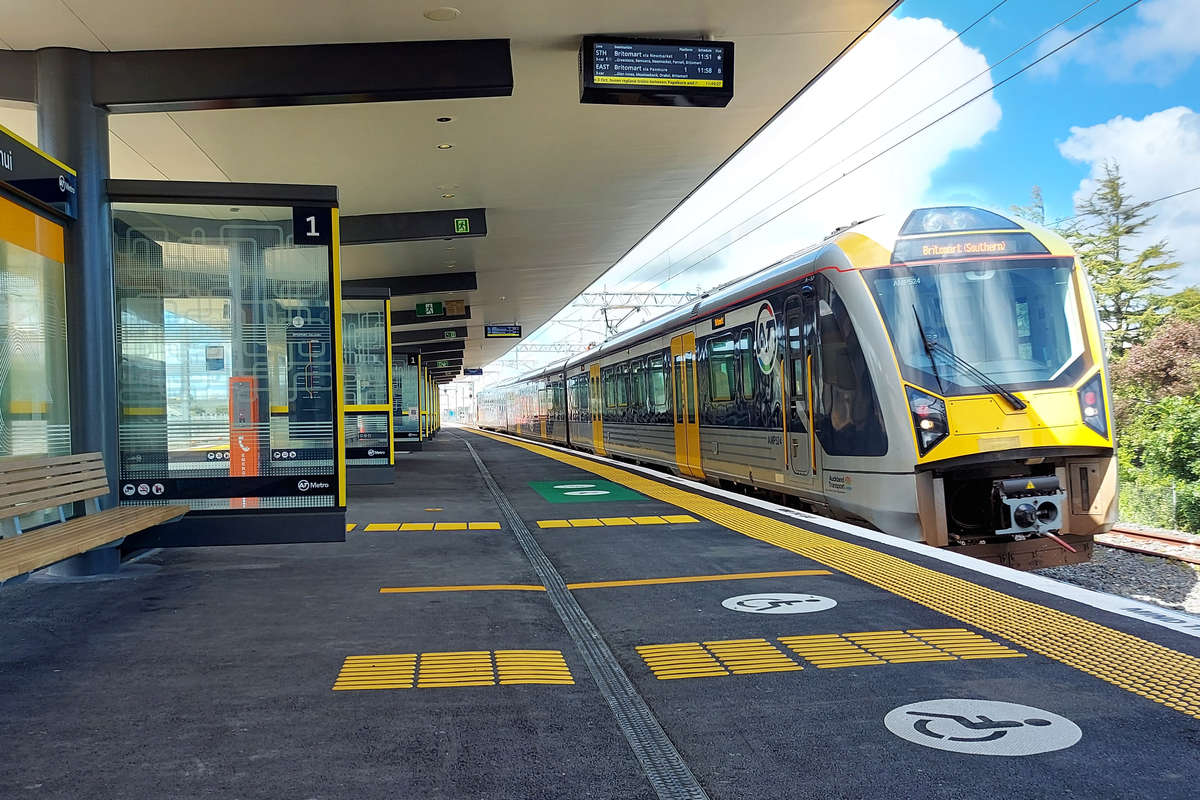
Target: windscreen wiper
{"x":929,"y":351}
{"x":932,"y":346}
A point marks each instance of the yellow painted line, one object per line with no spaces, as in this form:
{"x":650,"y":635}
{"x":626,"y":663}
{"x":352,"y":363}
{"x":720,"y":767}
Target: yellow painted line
{"x":1136,"y":665}
{"x":554,"y":523}
{"x":617,"y":521}
{"x":417,"y":526}
{"x":450,"y":526}
{"x":649,"y":520}
{"x":350,"y":526}
{"x":484,"y":526}
{"x":382,"y":526}
{"x":679,"y":518}
{"x":493,"y":587}
{"x":585,"y":523}
{"x":435,"y":509}
{"x":735,"y":576}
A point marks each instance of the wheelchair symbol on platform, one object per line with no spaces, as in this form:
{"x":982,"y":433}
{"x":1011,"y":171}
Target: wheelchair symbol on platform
{"x":779,"y":603}
{"x":982,"y":727}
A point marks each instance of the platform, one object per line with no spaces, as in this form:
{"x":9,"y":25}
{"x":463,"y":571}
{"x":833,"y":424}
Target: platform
{"x":541,"y":624}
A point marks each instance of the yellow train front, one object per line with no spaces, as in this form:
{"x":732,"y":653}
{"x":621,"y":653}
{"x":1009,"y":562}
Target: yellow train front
{"x":997,"y":347}
{"x":938,"y":376}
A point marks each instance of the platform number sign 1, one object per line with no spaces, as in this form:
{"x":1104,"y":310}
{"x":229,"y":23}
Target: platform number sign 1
{"x":311,"y":226}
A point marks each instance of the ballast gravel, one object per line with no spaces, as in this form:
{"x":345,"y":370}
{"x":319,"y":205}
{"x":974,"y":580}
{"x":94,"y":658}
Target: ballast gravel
{"x":1167,"y":583}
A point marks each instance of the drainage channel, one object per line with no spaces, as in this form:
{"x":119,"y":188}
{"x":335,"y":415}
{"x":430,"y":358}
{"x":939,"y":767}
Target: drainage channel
{"x":664,"y":767}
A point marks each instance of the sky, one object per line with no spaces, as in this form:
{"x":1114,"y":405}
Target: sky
{"x":929,"y":108}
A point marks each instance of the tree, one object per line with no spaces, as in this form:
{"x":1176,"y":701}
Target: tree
{"x":1036,"y":210}
{"x":1166,"y":365}
{"x":1127,"y":284}
{"x":1185,"y":305}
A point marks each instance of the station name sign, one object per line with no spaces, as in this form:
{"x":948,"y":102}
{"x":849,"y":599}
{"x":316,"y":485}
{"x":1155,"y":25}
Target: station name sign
{"x":502,"y":331}
{"x":661,"y":72}
{"x":33,"y":173}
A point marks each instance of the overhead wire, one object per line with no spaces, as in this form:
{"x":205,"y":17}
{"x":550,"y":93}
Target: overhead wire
{"x":897,"y":126}
{"x":910,"y":136}
{"x":824,"y":135}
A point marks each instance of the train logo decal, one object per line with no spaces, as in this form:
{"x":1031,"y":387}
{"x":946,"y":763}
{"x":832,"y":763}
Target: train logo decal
{"x":982,"y":727}
{"x":766,"y":340}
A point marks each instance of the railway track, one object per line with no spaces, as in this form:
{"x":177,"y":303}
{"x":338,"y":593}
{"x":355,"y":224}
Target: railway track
{"x":1165,"y":544}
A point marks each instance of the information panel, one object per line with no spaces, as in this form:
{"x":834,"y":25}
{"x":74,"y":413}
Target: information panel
{"x":655,"y":71}
{"x":228,"y":357}
{"x":502,"y":331}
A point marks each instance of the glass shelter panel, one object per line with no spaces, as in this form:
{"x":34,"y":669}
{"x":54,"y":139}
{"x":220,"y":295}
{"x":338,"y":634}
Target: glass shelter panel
{"x":367,"y":391}
{"x":227,"y":357}
{"x":34,"y":409}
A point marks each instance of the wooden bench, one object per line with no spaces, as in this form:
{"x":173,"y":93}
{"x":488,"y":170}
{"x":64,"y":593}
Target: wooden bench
{"x":29,"y":484}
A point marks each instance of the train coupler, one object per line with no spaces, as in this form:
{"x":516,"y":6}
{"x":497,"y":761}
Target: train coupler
{"x":1025,"y":506}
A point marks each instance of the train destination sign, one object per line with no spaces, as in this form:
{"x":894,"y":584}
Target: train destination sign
{"x":671,"y":72}
{"x":502,"y":331}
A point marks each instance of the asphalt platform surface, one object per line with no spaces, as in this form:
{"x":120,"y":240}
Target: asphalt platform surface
{"x":210,"y":672}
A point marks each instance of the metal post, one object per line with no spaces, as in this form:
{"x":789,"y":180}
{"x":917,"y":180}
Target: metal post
{"x":71,"y":128}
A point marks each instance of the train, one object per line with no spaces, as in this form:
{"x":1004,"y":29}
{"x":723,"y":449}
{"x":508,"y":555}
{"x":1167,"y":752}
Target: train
{"x":937,"y":375}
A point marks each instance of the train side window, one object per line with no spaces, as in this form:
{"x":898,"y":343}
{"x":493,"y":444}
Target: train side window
{"x":848,"y":417}
{"x":722,"y":368}
{"x":608,"y":387}
{"x":621,"y":372}
{"x":794,"y":319}
{"x":657,"y":384}
{"x":637,"y":384}
{"x":747,"y":359}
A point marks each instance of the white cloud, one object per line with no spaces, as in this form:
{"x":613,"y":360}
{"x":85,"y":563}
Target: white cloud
{"x":1161,"y":43}
{"x":1158,"y":155}
{"x":757,"y":208}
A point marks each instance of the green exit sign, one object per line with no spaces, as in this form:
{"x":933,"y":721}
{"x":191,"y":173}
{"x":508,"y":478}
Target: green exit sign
{"x":431,"y":310}
{"x":462,"y":225}
{"x":443,"y":363}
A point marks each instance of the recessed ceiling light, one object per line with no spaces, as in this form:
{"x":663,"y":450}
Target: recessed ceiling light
{"x":442,"y":13}
{"x":444,"y":146}
{"x":503,"y":298}
{"x":445,"y":119}
{"x":448,"y":195}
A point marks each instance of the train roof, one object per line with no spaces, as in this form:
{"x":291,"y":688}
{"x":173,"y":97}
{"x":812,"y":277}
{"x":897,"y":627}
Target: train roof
{"x":883,"y":229}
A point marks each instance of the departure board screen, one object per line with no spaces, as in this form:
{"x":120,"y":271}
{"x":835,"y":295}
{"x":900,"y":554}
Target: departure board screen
{"x":635,"y":71}
{"x":658,"y":64}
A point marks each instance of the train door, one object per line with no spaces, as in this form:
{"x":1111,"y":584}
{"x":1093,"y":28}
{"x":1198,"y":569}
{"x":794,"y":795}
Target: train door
{"x":797,"y":374}
{"x":687,"y":426}
{"x":594,"y":406}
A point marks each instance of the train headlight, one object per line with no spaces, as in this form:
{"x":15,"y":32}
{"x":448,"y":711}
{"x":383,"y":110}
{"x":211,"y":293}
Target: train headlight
{"x":1091,"y":405}
{"x":929,"y":419}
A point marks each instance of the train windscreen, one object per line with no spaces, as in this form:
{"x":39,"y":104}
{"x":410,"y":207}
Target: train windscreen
{"x":1016,"y":321}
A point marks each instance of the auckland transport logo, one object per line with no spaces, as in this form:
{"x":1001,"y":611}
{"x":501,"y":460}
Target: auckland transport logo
{"x":304,"y":485}
{"x":766,"y":340}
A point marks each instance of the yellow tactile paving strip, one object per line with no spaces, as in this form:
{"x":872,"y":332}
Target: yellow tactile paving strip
{"x":749,"y":656}
{"x":376,"y":527}
{"x":829,"y":650}
{"x":453,"y":669}
{"x":1137,"y":665}
{"x":683,"y":660}
{"x":609,"y":522}
{"x":532,"y":666}
{"x":752,"y":656}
